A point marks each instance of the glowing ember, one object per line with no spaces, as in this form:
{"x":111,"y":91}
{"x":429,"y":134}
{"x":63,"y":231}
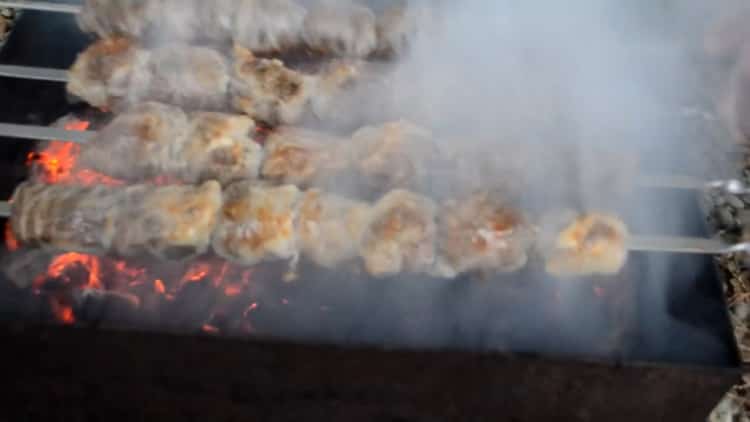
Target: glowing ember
{"x":210,"y":329}
{"x":159,"y":287}
{"x":63,"y":313}
{"x":10,"y":239}
{"x":599,"y":291}
{"x":64,"y":263}
{"x":195,"y":273}
{"x":253,"y":306}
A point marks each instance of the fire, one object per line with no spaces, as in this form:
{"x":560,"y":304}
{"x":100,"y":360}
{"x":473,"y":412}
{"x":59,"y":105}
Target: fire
{"x":159,"y":287}
{"x":196,"y":273}
{"x":63,"y":263}
{"x":57,"y":162}
{"x":10,"y":239}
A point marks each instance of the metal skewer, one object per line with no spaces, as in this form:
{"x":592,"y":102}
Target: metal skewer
{"x":35,"y":73}
{"x":44,"y":133}
{"x":46,"y":6}
{"x":670,"y":244}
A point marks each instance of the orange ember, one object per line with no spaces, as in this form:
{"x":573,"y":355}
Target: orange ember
{"x":10,"y":239}
{"x":196,"y":273}
{"x":57,"y":162}
{"x":159,"y":287}
{"x":63,"y":263}
{"x":210,"y":329}
{"x":63,"y":313}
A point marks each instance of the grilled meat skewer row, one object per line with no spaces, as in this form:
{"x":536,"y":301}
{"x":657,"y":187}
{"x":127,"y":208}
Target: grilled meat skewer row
{"x":115,"y":73}
{"x":250,"y":223}
{"x":341,"y":28}
{"x":154,"y":139}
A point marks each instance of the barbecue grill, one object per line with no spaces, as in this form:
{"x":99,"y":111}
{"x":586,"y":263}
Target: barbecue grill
{"x":321,"y":347}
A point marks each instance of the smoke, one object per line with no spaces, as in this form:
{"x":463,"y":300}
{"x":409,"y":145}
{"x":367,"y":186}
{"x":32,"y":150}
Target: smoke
{"x":586,"y":96}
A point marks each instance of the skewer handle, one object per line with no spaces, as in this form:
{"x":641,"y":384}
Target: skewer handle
{"x":46,"y":6}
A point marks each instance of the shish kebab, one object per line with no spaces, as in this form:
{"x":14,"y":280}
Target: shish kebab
{"x":115,"y":73}
{"x":340,"y":28}
{"x":249,"y":223}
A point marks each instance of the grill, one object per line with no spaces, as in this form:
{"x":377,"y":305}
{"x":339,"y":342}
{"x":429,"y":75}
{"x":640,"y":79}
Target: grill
{"x":339,"y":346}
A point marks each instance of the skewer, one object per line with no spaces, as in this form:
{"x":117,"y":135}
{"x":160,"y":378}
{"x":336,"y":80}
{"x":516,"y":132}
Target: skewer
{"x":639,"y":243}
{"x":668,"y":181}
{"x":46,"y":6}
{"x":34,"y":73}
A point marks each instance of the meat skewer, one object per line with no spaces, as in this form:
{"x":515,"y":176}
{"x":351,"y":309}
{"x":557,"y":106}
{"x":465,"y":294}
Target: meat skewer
{"x":116,"y":73}
{"x":165,"y":222}
{"x":153,"y":140}
{"x":248,"y":223}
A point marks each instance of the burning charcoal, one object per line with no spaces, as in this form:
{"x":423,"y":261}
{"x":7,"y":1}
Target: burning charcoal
{"x":105,"y":306}
{"x":302,"y":157}
{"x":330,"y":227}
{"x":400,"y":235}
{"x":257,"y":224}
{"x":583,"y":244}
{"x":482,"y":233}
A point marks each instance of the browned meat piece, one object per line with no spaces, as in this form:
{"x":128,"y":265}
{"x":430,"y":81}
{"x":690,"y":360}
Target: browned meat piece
{"x":154,"y":140}
{"x":219,"y":147}
{"x":168,"y":222}
{"x":101,"y":75}
{"x":395,"y":28}
{"x":330,"y":227}
{"x":482,"y":233}
{"x":340,"y":28}
{"x":586,"y":244}
{"x":114,"y":73}
{"x":165,"y":222}
{"x":393,"y":155}
{"x":400,"y":235}
{"x":257,"y":224}
{"x":142,"y":140}
{"x":65,"y":218}
{"x":266,"y":90}
{"x":195,"y":78}
{"x":302,"y":157}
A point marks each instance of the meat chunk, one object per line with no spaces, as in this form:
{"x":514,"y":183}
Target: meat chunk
{"x":268,"y":25}
{"x":576,"y":245}
{"x":482,"y":233}
{"x":257,"y":223}
{"x":189,"y":77}
{"x":395,"y":28}
{"x":400,"y":235}
{"x":302,"y":157}
{"x":143,"y":140}
{"x":62,"y":218}
{"x":340,"y":28}
{"x":168,"y":222}
{"x":154,"y":139}
{"x":393,"y":155}
{"x":102,"y":74}
{"x":330,"y":227}
{"x":219,"y":147}
{"x":267,"y":90}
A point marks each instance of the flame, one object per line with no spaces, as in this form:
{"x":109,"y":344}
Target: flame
{"x":10,"y":239}
{"x":57,"y":162}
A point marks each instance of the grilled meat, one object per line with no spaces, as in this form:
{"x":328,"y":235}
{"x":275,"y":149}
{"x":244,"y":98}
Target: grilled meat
{"x":392,"y":155}
{"x":482,"y":233}
{"x":262,"y":26}
{"x":400,"y":235}
{"x":303,"y":158}
{"x":257,"y":223}
{"x":165,"y":222}
{"x":575,"y":245}
{"x":154,"y":140}
{"x":330,"y":227}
